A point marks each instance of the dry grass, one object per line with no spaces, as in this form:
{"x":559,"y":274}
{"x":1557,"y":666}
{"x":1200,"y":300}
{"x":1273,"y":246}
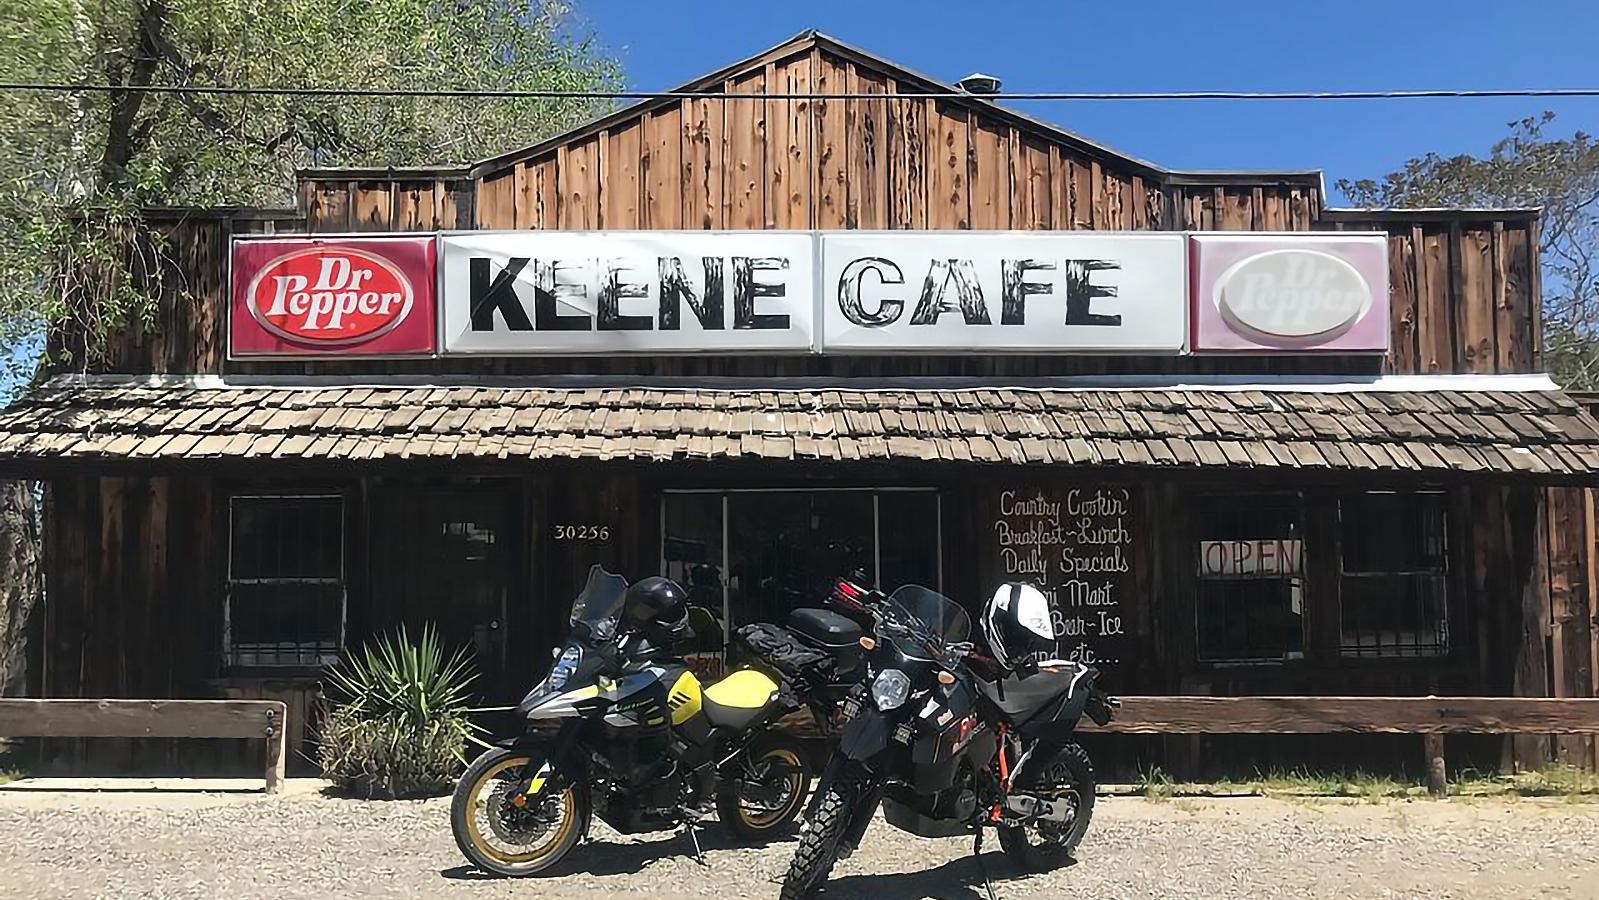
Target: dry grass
{"x":1562,"y":781}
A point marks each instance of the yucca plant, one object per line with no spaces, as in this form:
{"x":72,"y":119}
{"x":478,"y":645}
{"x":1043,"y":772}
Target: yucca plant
{"x":400,"y":726}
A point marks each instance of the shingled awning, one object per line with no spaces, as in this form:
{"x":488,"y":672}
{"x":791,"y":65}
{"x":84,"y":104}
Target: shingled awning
{"x":1517,"y":431}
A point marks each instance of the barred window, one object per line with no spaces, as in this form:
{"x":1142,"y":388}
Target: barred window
{"x":285,"y":604}
{"x":1251,"y":564}
{"x":1395,"y":583}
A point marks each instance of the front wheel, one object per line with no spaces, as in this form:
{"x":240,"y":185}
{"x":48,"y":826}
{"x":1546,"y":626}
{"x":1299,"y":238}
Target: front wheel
{"x":762,"y":790}
{"x":1067,"y":776}
{"x":818,"y":843}
{"x":502,"y":836}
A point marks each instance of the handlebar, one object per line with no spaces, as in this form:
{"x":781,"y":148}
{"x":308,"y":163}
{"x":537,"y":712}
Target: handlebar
{"x":854,"y":598}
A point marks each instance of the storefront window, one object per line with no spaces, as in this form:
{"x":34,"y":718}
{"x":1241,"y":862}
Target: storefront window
{"x":758,"y":554}
{"x":285,"y":603}
{"x":1395,"y":574}
{"x":1251,"y":562}
{"x":692,"y":553}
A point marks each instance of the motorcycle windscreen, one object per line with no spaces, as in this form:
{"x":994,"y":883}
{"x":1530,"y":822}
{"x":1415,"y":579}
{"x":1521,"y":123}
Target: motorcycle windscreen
{"x":864,"y":736}
{"x":933,"y":621}
{"x":599,"y":604}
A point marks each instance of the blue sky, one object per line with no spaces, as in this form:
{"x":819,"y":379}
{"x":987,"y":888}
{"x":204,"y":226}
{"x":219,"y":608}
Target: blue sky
{"x":1159,"y":45}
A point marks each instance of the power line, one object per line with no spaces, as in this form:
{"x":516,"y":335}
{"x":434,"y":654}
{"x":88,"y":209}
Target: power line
{"x":510,"y":94}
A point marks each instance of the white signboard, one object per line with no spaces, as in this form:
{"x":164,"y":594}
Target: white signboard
{"x":996,"y":292}
{"x":546,"y":292}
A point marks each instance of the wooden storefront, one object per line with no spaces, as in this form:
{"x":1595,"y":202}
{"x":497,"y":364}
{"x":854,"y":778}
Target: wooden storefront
{"x":1357,"y":536}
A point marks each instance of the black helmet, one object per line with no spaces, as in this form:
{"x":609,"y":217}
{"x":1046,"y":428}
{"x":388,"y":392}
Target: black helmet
{"x":1016,"y":623}
{"x":656,"y":603}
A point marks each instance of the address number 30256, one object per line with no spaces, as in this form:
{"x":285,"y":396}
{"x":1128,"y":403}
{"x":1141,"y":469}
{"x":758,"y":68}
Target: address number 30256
{"x":582,"y":532}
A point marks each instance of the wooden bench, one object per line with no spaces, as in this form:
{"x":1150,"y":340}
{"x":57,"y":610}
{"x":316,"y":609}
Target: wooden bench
{"x":1431,"y":717}
{"x":259,"y":719}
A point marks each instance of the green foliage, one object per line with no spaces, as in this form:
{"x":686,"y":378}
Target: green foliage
{"x":401,"y":727}
{"x":122,"y":150}
{"x":1156,"y":785}
{"x":1528,"y":168}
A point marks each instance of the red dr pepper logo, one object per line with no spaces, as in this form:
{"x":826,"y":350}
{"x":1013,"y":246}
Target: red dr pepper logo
{"x":332,"y":296}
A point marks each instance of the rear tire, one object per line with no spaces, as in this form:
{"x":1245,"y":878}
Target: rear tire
{"x":1039,"y":848}
{"x":778,"y":757}
{"x":818,"y":843}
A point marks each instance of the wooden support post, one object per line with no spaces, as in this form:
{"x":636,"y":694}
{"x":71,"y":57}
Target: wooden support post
{"x":276,"y":736}
{"x":1437,"y":773}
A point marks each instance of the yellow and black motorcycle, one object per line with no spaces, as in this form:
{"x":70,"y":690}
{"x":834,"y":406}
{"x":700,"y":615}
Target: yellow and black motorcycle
{"x":621,"y":729}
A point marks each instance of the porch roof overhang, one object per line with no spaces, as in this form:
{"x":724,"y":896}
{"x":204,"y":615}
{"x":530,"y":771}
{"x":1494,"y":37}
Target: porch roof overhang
{"x":1520,"y":426}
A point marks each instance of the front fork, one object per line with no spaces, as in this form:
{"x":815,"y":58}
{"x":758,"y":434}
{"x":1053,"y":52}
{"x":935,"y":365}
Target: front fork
{"x":554,"y":760}
{"x":868,"y":794}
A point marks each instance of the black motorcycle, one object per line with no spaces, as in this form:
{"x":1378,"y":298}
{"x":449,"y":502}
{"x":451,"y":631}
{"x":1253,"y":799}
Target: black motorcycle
{"x":949,"y":742}
{"x":620,"y":728}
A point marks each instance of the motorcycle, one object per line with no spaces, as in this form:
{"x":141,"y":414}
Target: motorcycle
{"x":621,"y":729}
{"x":816,"y":654}
{"x":949,"y":741}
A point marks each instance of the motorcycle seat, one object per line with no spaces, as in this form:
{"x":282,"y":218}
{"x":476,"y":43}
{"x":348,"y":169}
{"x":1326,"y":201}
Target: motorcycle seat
{"x":1025,"y":697}
{"x":738,"y":701}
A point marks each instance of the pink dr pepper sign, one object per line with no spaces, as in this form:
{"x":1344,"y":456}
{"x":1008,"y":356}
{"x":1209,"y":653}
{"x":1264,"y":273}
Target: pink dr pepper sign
{"x":1294,"y":293}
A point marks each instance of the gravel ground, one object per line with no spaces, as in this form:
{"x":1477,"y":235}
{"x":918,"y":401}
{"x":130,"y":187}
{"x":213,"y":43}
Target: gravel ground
{"x":308,"y":845}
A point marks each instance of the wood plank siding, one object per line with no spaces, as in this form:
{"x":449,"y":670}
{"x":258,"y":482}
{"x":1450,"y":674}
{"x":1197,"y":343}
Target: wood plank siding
{"x":134,"y":550}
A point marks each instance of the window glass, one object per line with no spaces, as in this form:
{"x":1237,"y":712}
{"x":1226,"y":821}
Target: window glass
{"x":784,"y":548}
{"x":285,"y":580}
{"x":1394,"y":589}
{"x":907,"y":531}
{"x":1251,"y":564}
{"x":692,"y":550}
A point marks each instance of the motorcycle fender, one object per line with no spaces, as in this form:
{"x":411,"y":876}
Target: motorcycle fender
{"x":537,"y":748}
{"x":865,"y":736}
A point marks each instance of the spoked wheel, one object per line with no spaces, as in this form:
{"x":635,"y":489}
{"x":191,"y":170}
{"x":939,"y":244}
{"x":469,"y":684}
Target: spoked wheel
{"x":1041,"y":846}
{"x":505,"y":833}
{"x":818,"y":844}
{"x":764,"y":789}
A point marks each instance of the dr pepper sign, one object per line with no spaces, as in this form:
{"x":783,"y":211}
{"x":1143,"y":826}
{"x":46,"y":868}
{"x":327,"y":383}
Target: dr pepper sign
{"x":333,"y":297}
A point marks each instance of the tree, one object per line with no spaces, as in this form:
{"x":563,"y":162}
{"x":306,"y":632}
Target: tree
{"x":116,"y":151}
{"x":1528,"y":168}
{"x":76,"y":167}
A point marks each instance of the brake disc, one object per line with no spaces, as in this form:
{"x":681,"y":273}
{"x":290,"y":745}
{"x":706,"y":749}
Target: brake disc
{"x":524,"y":825}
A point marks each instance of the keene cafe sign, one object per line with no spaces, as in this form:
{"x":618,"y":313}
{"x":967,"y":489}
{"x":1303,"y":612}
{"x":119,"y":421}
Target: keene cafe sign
{"x":755,"y":292}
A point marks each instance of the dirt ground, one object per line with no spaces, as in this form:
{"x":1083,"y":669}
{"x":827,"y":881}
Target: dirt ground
{"x":241,"y":846}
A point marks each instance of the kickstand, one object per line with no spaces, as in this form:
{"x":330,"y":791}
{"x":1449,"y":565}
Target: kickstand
{"x":694,"y":836}
{"x":977,"y":854}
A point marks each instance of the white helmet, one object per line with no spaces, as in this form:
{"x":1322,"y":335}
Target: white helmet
{"x":1016,"y":623}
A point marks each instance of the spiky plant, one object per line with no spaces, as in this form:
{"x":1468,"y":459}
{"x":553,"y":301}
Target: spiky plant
{"x":401,"y":725}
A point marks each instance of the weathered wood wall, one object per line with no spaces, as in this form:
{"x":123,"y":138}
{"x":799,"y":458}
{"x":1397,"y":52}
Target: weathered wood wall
{"x":133,"y":609}
{"x":1464,"y":288}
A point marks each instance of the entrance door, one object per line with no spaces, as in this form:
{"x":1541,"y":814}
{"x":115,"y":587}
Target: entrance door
{"x":446,"y":556}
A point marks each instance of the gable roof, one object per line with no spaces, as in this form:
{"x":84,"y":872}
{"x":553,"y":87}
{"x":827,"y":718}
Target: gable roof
{"x":804,"y":42}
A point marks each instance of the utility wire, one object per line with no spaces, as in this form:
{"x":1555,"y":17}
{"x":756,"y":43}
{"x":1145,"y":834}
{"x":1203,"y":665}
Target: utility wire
{"x":397,"y":93}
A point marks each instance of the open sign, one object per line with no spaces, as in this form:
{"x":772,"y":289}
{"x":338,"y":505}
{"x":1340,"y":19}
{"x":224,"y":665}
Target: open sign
{"x":1257,"y":558}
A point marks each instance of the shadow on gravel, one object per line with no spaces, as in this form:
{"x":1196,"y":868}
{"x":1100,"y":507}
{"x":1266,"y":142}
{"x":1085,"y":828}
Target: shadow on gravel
{"x":627,"y":857}
{"x":958,"y":879}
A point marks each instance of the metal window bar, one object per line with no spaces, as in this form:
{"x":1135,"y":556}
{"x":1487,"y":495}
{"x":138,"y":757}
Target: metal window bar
{"x":1236,"y":606}
{"x":1396,"y":611}
{"x":299,"y":518}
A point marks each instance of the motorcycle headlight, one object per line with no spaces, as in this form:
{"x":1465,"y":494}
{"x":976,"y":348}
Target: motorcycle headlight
{"x":890,"y":689}
{"x":562,"y":671}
